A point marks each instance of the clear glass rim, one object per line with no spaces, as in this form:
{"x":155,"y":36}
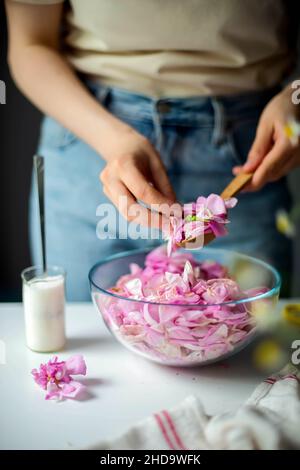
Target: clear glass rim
{"x":60,"y":271}
{"x":273,"y":291}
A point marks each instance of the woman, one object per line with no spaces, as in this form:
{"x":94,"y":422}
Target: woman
{"x":165,"y":100}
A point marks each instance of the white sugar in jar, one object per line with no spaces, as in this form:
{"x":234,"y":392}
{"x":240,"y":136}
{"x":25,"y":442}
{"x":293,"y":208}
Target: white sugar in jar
{"x":44,"y":308}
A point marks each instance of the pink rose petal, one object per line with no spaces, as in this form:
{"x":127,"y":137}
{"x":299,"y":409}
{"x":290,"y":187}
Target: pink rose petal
{"x":56,"y":377}
{"x":206,"y":215}
{"x":76,"y":365}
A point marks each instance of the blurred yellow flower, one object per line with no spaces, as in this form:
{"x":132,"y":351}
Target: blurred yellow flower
{"x":292,"y":131}
{"x":268,"y":355}
{"x":284,"y":224}
{"x":291,"y":313}
{"x":263,"y":311}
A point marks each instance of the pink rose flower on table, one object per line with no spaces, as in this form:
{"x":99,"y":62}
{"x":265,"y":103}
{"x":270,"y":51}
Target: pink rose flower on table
{"x":206,"y":215}
{"x":56,"y":377}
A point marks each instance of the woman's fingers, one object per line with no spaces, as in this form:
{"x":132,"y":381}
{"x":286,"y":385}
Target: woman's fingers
{"x":290,"y":165}
{"x":273,"y":152}
{"x":141,"y":188}
{"x":269,"y":166}
{"x":272,"y":166}
{"x":130,"y":209}
{"x":160,"y":178}
{"x":139,"y":175}
{"x":260,"y":147}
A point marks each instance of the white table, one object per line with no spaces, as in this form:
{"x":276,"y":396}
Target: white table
{"x":124,"y":388}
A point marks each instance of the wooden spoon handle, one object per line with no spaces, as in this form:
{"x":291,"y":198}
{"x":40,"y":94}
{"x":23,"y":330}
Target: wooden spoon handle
{"x":236,"y":185}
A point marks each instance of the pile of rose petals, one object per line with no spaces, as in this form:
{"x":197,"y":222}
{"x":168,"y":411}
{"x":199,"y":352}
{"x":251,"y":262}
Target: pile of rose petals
{"x":56,"y":377}
{"x":187,"y":310}
{"x":206,"y":215}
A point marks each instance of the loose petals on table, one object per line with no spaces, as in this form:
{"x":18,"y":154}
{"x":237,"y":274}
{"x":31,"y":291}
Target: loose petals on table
{"x":55,"y":377}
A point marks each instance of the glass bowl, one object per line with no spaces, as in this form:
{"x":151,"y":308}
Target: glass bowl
{"x":155,"y":342}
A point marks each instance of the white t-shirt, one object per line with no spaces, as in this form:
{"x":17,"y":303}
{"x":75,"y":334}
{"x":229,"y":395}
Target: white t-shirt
{"x":179,"y":47}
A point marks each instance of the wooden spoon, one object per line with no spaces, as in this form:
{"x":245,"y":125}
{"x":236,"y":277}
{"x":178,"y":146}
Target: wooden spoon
{"x":235,"y":185}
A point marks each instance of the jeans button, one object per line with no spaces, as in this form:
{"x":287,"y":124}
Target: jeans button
{"x":163,"y":107}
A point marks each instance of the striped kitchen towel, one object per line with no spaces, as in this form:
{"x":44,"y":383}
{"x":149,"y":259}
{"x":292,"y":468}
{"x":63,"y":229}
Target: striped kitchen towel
{"x":269,"y":420}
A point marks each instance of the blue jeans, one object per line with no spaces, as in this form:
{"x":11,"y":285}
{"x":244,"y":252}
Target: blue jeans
{"x":199,"y":139}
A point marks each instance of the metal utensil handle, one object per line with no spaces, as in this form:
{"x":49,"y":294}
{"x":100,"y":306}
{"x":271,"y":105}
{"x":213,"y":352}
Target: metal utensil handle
{"x":38,"y":162}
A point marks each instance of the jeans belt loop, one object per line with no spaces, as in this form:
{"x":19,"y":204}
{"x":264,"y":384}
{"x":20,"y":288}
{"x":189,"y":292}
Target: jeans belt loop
{"x":102,"y":94}
{"x":157,"y":127}
{"x":219,"y":122}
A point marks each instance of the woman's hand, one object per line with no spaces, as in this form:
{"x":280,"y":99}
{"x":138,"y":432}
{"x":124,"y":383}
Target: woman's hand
{"x":135,"y":172}
{"x":272,"y":154}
